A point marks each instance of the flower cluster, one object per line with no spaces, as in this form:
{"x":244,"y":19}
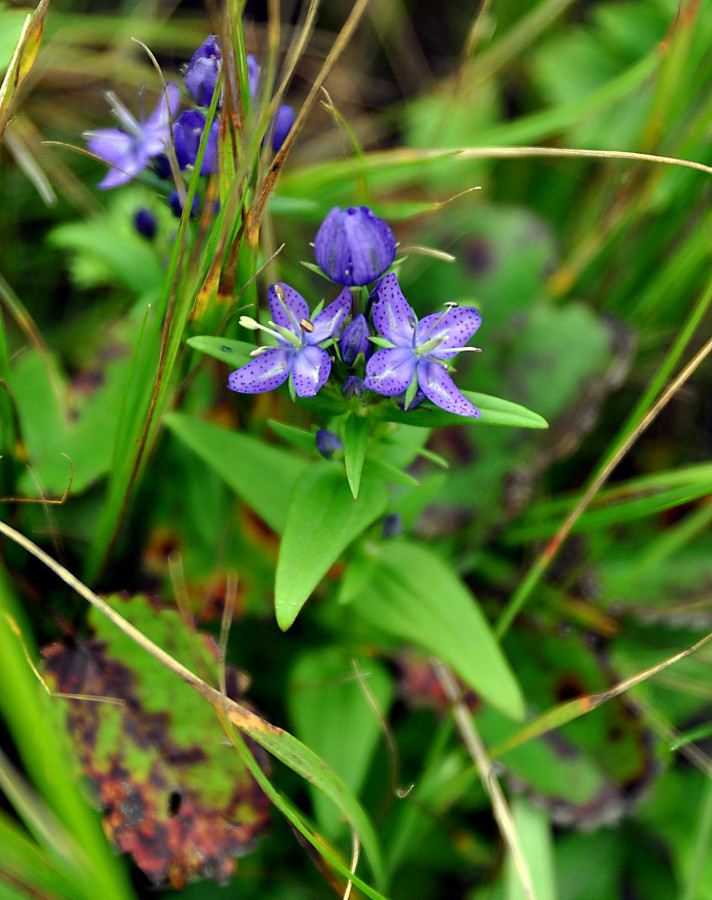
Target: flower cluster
{"x":353,"y":248}
{"x":130,"y":148}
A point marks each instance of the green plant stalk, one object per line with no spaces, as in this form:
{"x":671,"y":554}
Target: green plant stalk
{"x":693,"y":881}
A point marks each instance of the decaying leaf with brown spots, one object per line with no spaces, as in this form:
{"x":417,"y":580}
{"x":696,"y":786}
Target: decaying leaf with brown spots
{"x":174,"y":792}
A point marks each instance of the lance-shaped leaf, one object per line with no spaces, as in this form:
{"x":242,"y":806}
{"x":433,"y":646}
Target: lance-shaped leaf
{"x":412,"y":594}
{"x":322,"y":520}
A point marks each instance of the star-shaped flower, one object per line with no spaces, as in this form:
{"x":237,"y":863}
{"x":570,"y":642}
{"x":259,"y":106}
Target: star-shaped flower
{"x":299,"y":351}
{"x":419,"y":349}
{"x":128,"y":149}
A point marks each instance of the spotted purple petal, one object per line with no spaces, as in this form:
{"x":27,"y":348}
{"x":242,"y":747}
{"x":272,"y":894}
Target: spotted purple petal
{"x":437,"y":386}
{"x":264,"y":373}
{"x":455,"y":327}
{"x":329,"y":320}
{"x":311,"y":369}
{"x":390,"y":371}
{"x":393,"y":316}
{"x":296,"y":307}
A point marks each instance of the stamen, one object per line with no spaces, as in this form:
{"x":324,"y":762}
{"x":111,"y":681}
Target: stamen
{"x":258,"y":351}
{"x":451,"y":304}
{"x":306,"y":325}
{"x":279,"y":291}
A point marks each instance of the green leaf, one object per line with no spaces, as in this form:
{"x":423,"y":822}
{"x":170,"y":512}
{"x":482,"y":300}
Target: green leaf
{"x":494,"y":411}
{"x":234,"y":353}
{"x":326,"y":702}
{"x":322,"y":520}
{"x":534,"y":831}
{"x":261,"y":475}
{"x":416,"y":597}
{"x":356,"y":434}
{"x":301,"y":438}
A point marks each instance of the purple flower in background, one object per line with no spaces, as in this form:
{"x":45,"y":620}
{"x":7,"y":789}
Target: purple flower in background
{"x":281,"y":126}
{"x":176,"y":205}
{"x":299,"y":351}
{"x":419,"y":348}
{"x":145,"y":223}
{"x":128,"y":149}
{"x":253,"y":74}
{"x":354,"y":340}
{"x":202,"y":73}
{"x":187,"y":134}
{"x":353,"y":246}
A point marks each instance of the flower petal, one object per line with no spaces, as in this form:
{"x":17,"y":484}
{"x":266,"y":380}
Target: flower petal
{"x":291,"y":311}
{"x":390,"y":371}
{"x":437,"y":386}
{"x":264,"y":373}
{"x":110,"y":144}
{"x":393,"y":316}
{"x":311,"y":369}
{"x":329,"y":320}
{"x":159,"y":120}
{"x":455,"y":327}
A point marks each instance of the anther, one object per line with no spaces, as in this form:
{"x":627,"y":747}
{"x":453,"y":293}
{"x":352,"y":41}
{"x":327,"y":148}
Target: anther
{"x":306,"y":325}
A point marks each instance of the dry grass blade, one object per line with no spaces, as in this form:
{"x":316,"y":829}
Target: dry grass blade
{"x":500,"y":808}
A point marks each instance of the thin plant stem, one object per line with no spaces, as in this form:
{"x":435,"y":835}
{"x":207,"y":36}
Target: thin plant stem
{"x":475,"y":747}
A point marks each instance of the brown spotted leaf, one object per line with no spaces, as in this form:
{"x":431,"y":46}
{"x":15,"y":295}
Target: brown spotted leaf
{"x":174,"y":793}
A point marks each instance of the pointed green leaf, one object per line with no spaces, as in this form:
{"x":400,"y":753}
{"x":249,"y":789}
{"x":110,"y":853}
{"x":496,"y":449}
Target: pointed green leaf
{"x":233,"y":353}
{"x":416,"y":597}
{"x":261,"y":475}
{"x":326,"y":702}
{"x":494,"y":411}
{"x":322,"y":520}
{"x":356,"y":435}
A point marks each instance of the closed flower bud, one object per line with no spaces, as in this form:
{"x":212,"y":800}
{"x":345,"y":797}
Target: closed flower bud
{"x":354,"y":340}
{"x":145,"y":223}
{"x":328,"y":443}
{"x":202,"y":73}
{"x":353,"y":246}
{"x":281,"y":126}
{"x":352,"y":386}
{"x":187,"y":134}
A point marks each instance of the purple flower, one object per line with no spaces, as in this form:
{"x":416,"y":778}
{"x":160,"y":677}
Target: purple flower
{"x":253,"y":75}
{"x":353,"y":246}
{"x":354,"y":340}
{"x":202,"y":73}
{"x":281,"y":126}
{"x":187,"y":134}
{"x":128,"y":149}
{"x":299,"y":352}
{"x":419,"y":349}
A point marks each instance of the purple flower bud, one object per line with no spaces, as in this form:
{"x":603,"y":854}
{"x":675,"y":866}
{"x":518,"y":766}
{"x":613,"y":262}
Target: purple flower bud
{"x":328,"y":443}
{"x":352,"y":386}
{"x":187,"y":134}
{"x":281,"y":126}
{"x":354,"y":340}
{"x":392,"y":526}
{"x":177,"y":207}
{"x":202,"y":73}
{"x":145,"y":223}
{"x":417,"y":400}
{"x":353,"y":246}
